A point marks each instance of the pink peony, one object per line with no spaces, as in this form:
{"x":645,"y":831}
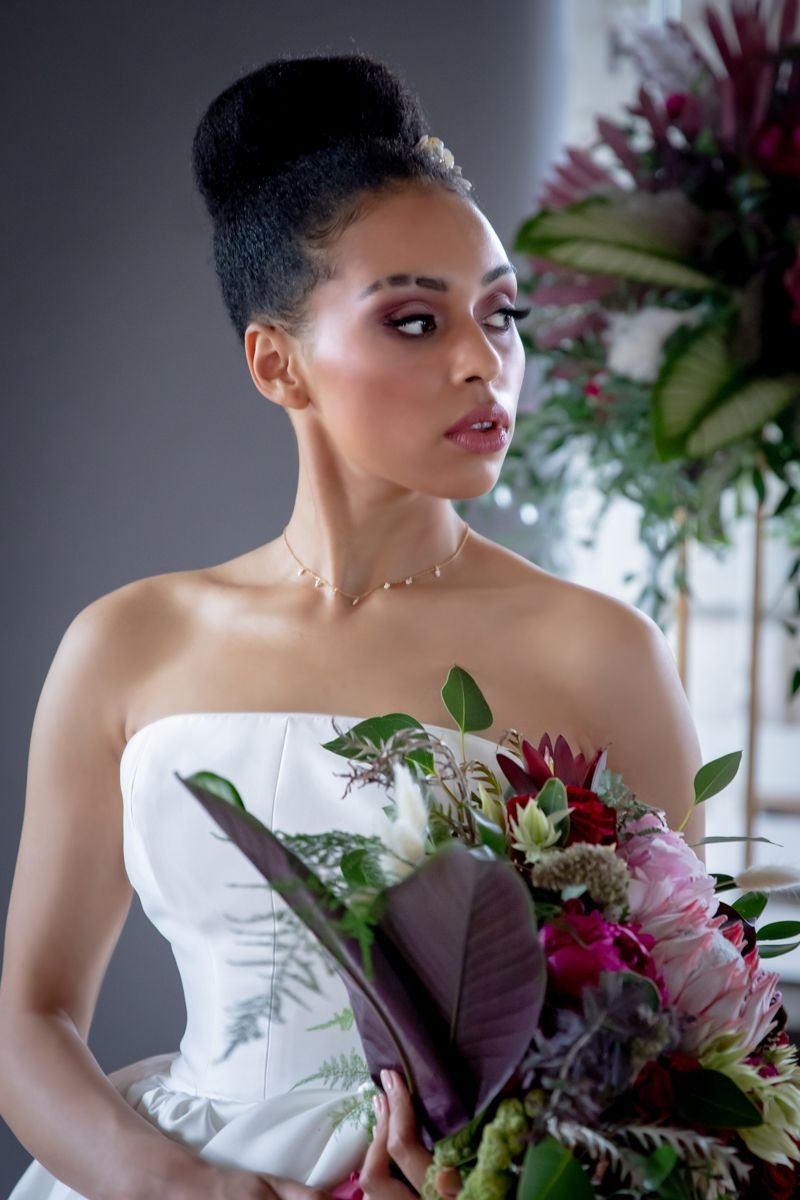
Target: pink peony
{"x":708,"y":979}
{"x":579,"y":946}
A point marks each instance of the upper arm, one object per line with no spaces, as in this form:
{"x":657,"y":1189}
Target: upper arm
{"x":637,"y":705}
{"x":70,"y":893}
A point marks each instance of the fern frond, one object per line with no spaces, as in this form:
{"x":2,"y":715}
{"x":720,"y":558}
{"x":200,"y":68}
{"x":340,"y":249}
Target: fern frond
{"x":715,"y":1167}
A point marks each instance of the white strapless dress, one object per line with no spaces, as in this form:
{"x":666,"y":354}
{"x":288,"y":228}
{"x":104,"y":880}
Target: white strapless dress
{"x":265,"y":1076}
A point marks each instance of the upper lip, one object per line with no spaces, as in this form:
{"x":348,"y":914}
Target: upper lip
{"x":484,"y":412}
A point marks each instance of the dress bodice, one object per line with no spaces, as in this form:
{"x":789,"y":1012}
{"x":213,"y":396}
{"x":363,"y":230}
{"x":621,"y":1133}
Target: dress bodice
{"x":255,"y":984}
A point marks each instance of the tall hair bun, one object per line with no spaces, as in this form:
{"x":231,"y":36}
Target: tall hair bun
{"x":292,"y":107}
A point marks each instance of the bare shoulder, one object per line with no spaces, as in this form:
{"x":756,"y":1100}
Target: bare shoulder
{"x":114,"y":643}
{"x":621,"y":674}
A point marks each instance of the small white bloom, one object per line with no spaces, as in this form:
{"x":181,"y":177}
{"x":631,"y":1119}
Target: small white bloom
{"x":404,"y":837}
{"x":636,"y":340}
{"x":533,"y":831}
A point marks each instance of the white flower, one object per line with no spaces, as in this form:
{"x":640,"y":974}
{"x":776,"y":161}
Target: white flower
{"x":534,"y":831}
{"x":636,"y":340}
{"x":404,"y":837}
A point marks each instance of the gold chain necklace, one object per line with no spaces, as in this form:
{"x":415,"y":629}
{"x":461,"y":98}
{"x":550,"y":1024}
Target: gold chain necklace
{"x":319,"y":581}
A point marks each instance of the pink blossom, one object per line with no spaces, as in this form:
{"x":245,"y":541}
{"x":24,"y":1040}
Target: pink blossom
{"x":717,"y":989}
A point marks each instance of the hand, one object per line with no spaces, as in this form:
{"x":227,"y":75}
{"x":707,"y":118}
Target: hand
{"x":226,"y":1183}
{"x":396,"y":1137}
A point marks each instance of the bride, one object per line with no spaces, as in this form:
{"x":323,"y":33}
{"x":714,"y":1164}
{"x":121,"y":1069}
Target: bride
{"x":376,"y":306}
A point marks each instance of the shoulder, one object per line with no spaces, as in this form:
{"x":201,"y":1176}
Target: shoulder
{"x":620,"y":673}
{"x":114,"y":643}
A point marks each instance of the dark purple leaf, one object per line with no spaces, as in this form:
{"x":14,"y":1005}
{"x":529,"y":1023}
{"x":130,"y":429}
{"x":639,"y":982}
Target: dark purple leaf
{"x":448,"y":1001}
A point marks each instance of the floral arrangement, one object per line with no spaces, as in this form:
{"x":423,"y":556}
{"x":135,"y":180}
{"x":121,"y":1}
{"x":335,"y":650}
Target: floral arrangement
{"x":575,"y":1010}
{"x":665,"y":284}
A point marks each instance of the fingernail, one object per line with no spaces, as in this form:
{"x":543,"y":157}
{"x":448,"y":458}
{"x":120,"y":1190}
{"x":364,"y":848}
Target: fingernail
{"x":387,"y":1080}
{"x":376,"y":1104}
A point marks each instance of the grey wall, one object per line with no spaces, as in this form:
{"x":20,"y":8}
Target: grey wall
{"x":133,"y":441}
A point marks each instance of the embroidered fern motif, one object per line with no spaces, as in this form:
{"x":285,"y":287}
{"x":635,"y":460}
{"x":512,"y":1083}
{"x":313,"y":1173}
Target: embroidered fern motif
{"x":344,"y":1072}
{"x":344,"y":1020}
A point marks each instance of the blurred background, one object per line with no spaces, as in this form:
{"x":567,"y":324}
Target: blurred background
{"x":129,"y":420}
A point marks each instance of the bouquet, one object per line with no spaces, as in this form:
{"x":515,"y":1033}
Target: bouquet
{"x":575,"y":1010}
{"x":665,"y":287}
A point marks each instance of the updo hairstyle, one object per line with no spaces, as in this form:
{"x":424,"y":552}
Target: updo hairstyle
{"x":286,"y":158}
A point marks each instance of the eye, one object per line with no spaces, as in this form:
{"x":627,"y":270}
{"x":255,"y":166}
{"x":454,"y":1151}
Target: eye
{"x":508,"y":315}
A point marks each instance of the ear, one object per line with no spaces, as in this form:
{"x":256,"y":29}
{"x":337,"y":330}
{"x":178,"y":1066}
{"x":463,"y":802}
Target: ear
{"x":273,"y":359}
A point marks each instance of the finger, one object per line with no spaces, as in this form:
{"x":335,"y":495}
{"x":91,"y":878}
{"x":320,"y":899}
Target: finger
{"x":375,"y":1169}
{"x":448,"y":1183}
{"x":403,"y":1141}
{"x":289,"y":1189}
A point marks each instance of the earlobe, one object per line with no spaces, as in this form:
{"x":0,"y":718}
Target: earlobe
{"x":272,"y":366}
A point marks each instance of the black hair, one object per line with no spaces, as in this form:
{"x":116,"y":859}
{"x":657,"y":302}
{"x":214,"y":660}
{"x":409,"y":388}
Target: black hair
{"x":287,"y":157}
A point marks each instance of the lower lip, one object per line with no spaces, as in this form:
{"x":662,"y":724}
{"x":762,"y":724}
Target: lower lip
{"x":480,"y":441}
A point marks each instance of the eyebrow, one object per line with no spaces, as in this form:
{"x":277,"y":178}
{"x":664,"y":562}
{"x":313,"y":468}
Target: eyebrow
{"x":438,"y":285}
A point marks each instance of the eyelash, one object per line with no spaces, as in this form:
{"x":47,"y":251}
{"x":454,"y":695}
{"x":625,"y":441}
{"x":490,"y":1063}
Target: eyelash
{"x":516,"y":314}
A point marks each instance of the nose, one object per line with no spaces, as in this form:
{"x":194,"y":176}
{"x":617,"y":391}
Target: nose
{"x":475,"y":356}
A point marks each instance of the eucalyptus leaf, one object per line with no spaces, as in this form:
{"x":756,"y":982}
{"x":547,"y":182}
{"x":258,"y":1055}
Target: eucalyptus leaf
{"x":716,"y":839}
{"x":380,"y":730}
{"x":550,"y":1171}
{"x":552,"y":797}
{"x":491,"y":835}
{"x":715,"y":776}
{"x":777,"y":949}
{"x":778,"y":929}
{"x":465,"y":702}
{"x":750,"y":905}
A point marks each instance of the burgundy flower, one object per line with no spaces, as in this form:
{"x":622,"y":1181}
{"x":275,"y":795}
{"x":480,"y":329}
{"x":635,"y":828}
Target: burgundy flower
{"x":791,"y":281}
{"x":778,"y":149}
{"x":545,"y":762}
{"x":771,"y":1179}
{"x":654,"y":1089}
{"x":589,"y":819}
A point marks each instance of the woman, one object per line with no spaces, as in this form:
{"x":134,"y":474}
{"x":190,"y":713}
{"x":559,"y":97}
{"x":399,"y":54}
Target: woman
{"x":376,"y":306}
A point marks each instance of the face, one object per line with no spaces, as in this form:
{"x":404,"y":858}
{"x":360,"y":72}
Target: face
{"x":407,"y":338}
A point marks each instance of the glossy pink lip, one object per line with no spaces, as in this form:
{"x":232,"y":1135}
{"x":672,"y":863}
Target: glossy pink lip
{"x":483,"y":412}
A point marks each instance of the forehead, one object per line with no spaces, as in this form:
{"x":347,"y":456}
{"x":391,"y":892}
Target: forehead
{"x":430,"y":234}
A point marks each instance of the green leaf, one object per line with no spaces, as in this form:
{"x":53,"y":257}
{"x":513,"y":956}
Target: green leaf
{"x":552,"y":798}
{"x":715,"y":776}
{"x":379,"y":730}
{"x":607,"y":222}
{"x":751,"y":905}
{"x":697,"y":363}
{"x":717,"y":838}
{"x":465,"y":702}
{"x":659,"y":1165}
{"x":219,"y":786}
{"x":795,"y":688}
{"x":743,"y":413}
{"x":551,"y":1172}
{"x":779,"y":929}
{"x":777,"y":949}
{"x":598,"y":258}
{"x":723,"y":882}
{"x":360,"y":869}
{"x":572,"y":891}
{"x":712,"y":1099}
{"x":491,"y":835}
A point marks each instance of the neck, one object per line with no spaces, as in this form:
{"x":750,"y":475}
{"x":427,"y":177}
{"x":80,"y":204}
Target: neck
{"x":358,"y":548}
